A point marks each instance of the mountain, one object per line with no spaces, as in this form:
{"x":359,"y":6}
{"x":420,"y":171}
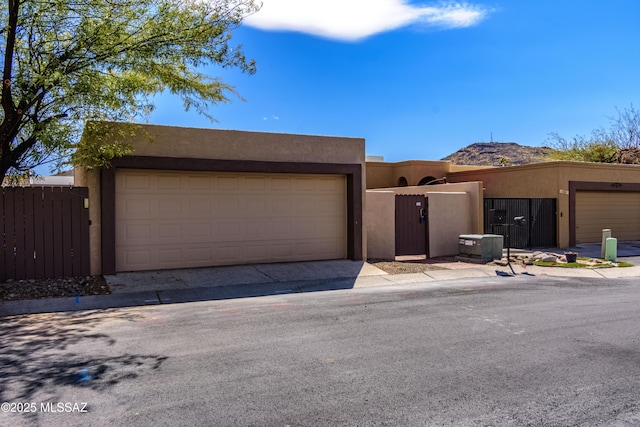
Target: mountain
{"x":491,"y":153}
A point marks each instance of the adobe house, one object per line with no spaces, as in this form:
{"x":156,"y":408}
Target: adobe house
{"x":203,"y":197}
{"x":588,"y":197}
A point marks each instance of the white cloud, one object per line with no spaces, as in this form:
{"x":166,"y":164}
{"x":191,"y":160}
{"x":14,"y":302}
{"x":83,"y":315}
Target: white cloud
{"x":352,"y":20}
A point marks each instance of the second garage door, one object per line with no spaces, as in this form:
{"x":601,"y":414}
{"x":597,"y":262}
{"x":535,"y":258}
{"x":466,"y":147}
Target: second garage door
{"x":597,"y":210}
{"x":177,"y":219}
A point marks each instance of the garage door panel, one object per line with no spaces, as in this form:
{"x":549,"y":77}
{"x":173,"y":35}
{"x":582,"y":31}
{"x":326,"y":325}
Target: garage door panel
{"x":330,"y":186}
{"x":304,"y":184}
{"x":256,"y":208}
{"x":169,"y":232}
{"x":202,"y":231}
{"x":134,"y":207}
{"x":168,"y":208}
{"x":168,"y":182}
{"x":198,"y":208}
{"x":199,"y":254}
{"x":137,"y":257}
{"x":198,"y":182}
{"x":281,"y":228}
{"x":256,"y":252}
{"x":329,"y":205}
{"x":322,"y":246}
{"x":280,"y":206}
{"x":597,"y":210}
{"x":280,"y":184}
{"x":255,"y":183}
{"x":305,"y":207}
{"x":167,"y":256}
{"x":259,"y":230}
{"x":226,"y":183}
{"x":226,"y":207}
{"x":167,"y":219}
{"x":136,"y":231}
{"x":230,"y":232}
{"x":138,"y":181}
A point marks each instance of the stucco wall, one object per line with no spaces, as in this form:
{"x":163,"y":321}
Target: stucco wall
{"x":454,"y":209}
{"x":381,"y":224}
{"x":475,"y":201}
{"x":449,"y":217}
{"x":385,"y":175}
{"x":180,"y":142}
{"x":169,"y":141}
{"x":380,"y":175}
{"x":91,"y":179}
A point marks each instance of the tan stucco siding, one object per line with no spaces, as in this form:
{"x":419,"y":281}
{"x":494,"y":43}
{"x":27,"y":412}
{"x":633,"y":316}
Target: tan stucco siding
{"x":91,"y":179}
{"x":381,"y":225}
{"x":450,"y":215}
{"x":380,"y":175}
{"x":168,"y":141}
{"x":385,"y":175}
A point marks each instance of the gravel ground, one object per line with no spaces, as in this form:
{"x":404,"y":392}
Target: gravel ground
{"x":13,"y":290}
{"x":402,"y":267}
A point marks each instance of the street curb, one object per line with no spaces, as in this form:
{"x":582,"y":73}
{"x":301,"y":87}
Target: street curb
{"x":221,"y":292}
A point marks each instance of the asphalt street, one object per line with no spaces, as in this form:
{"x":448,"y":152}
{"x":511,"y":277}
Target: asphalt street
{"x":541,"y":351}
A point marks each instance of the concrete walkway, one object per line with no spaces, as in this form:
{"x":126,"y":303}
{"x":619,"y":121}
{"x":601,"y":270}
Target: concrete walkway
{"x":203,"y":284}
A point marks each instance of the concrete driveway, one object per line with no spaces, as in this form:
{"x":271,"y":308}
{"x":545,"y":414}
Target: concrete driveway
{"x":253,"y":274}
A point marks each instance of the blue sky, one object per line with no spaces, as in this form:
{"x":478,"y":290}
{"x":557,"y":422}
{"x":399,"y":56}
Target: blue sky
{"x":420,"y":80}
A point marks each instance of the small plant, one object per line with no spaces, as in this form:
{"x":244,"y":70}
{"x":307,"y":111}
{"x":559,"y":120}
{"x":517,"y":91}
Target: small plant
{"x":624,"y":264}
{"x":583,"y":262}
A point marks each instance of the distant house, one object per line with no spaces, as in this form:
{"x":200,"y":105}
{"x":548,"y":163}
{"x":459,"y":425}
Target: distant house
{"x":56,"y":180}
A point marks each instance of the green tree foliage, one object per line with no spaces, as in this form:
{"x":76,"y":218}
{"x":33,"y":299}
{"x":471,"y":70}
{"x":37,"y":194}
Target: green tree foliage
{"x":69,"y":61}
{"x":504,"y":161}
{"x":614,"y":144}
{"x":582,"y":149}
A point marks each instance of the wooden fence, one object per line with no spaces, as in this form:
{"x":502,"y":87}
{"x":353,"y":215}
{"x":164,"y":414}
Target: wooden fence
{"x":44,"y":232}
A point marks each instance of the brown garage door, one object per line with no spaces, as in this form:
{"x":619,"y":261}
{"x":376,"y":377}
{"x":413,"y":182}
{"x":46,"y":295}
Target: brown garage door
{"x":597,"y":210}
{"x":176,"y":219}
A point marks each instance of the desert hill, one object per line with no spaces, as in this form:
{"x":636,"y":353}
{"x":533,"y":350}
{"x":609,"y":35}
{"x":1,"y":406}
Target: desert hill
{"x":491,"y":153}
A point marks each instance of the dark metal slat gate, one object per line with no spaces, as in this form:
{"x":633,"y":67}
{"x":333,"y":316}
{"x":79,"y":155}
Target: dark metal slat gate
{"x":540,"y":213}
{"x":44,"y":232}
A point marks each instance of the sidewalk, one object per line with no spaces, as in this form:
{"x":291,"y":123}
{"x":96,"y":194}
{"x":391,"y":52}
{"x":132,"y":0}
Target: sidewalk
{"x":215,"y":283}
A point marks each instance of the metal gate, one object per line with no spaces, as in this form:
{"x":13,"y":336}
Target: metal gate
{"x":538,"y":232}
{"x":411,"y":225}
{"x":44,"y":232}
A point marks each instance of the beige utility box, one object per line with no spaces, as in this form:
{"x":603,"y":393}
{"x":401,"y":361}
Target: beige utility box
{"x":486,"y":247}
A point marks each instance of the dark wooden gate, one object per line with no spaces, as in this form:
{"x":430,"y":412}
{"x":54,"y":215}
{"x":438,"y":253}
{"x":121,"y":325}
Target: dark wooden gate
{"x":411,"y":224}
{"x":44,"y":232}
{"x":540,"y":229}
